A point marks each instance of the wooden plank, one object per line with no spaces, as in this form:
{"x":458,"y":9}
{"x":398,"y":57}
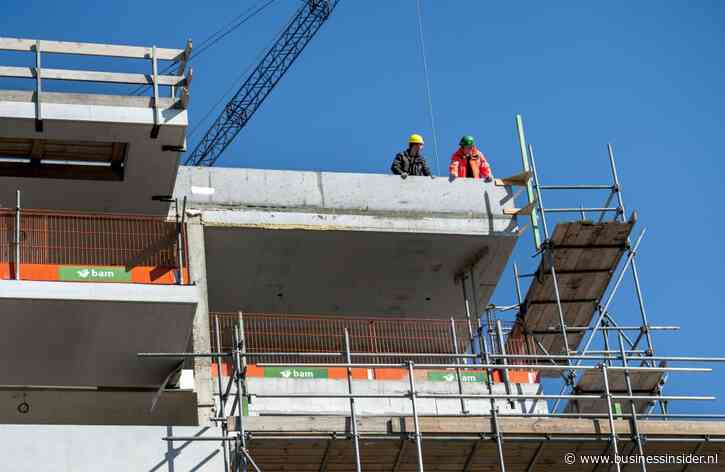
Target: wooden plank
{"x":583,"y":246}
{"x":430,"y":426}
{"x":642,"y":381}
{"x":446,"y":425}
{"x":311,"y":424}
{"x":549,"y":315}
{"x":446,"y":456}
{"x":89,"y":49}
{"x":90,"y":76}
{"x":520,"y":179}
{"x":526,"y":210}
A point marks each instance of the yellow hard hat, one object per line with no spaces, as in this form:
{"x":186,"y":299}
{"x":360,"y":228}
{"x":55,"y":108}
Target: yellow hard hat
{"x":415,"y":139}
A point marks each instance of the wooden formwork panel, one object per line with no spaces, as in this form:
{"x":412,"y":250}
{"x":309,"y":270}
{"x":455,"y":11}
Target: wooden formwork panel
{"x":584,"y":255}
{"x":592,"y":382}
{"x":641,"y":380}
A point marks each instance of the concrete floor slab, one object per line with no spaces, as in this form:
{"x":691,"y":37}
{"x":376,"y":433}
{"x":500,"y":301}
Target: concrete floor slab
{"x":343,"y":243}
{"x":88,"y":334}
{"x":148,"y":169}
{"x":97,"y":407}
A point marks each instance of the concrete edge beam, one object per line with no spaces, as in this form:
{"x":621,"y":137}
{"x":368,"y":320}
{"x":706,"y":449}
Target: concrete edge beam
{"x":89,"y":291}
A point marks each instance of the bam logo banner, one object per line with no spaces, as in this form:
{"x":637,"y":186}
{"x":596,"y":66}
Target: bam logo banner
{"x":94,"y":274}
{"x":294,"y":373}
{"x":450,"y":376}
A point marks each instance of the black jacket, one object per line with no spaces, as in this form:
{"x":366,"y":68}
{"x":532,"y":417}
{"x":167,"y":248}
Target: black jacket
{"x":404,"y":162}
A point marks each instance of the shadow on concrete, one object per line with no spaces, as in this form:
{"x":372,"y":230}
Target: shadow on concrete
{"x":172,"y":453}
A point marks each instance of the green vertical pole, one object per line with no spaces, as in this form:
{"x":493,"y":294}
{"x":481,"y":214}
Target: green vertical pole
{"x":529,"y":185}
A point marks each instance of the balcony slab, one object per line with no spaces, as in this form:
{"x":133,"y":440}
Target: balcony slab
{"x":148,"y":170}
{"x":343,"y":243}
{"x":89,"y":334}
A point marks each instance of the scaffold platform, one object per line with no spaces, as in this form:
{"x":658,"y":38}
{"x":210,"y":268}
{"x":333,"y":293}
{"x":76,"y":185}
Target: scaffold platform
{"x":456,"y":444}
{"x":584,"y":255}
{"x":643,"y":383}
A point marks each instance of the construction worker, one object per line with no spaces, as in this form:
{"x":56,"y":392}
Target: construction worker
{"x":411,"y":161}
{"x":469,"y":162}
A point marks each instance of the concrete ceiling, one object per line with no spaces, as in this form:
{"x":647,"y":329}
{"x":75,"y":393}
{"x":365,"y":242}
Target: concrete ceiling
{"x":347,"y":272}
{"x":148,"y":170}
{"x":79,"y":340}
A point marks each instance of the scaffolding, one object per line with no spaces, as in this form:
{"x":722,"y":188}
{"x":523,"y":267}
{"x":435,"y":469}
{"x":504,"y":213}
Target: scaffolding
{"x":563,"y":327}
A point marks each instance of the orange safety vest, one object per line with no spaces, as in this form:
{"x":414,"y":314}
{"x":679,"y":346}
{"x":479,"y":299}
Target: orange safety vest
{"x":460,"y":160}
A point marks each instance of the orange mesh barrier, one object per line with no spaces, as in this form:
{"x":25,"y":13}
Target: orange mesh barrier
{"x":57,"y":245}
{"x":302,"y":333}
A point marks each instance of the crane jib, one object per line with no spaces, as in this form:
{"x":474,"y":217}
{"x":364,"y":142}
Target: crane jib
{"x":250,"y":96}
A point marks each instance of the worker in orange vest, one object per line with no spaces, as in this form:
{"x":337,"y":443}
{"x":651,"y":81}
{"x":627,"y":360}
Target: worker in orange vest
{"x":469,"y":162}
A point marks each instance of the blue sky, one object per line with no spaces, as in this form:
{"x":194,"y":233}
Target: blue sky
{"x":646,"y":76}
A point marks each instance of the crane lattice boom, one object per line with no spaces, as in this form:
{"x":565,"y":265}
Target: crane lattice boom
{"x":275,"y":63}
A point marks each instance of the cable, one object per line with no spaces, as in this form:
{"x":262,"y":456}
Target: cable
{"x":233,"y":86}
{"x":427,"y":86}
{"x":232,"y":28}
{"x":214,"y":38}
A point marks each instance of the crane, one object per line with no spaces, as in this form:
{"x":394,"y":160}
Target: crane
{"x":272,"y":67}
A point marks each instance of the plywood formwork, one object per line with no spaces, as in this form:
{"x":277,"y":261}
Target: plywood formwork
{"x":584,"y":255}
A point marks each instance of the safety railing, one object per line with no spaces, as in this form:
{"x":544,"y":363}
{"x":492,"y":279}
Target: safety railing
{"x":177,"y":80}
{"x":320,"y":334}
{"x":87,"y":247}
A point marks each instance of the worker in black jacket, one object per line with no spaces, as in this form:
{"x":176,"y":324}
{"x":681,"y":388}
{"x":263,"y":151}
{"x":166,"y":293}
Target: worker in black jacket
{"x":411,"y":161}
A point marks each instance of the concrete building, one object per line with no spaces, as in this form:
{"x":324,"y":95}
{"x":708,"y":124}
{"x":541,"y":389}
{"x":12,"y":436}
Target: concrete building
{"x":161,"y":317}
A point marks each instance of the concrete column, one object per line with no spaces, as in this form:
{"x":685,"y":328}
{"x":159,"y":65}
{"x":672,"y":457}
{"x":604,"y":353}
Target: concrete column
{"x":200,"y":341}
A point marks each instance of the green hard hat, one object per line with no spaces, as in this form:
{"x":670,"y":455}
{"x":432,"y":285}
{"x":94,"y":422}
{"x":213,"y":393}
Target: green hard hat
{"x":467,"y":141}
